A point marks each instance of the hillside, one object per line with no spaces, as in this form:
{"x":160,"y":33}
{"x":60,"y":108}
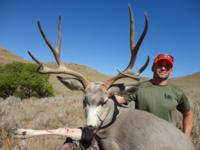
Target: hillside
{"x":7,"y":57}
{"x":89,"y":73}
{"x":190,"y":83}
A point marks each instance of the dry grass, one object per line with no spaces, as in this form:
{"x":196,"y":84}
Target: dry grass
{"x":190,"y":85}
{"x":196,"y":129}
{"x":55,"y":112}
{"x":35,"y":113}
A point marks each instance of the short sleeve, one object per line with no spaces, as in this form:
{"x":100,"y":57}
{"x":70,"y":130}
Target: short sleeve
{"x":184,"y":105}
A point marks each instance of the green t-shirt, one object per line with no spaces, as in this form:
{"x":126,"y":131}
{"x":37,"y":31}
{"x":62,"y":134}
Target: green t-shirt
{"x":159,"y":100}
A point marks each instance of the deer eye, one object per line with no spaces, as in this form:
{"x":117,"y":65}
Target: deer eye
{"x":85,"y":103}
{"x":102,"y":102}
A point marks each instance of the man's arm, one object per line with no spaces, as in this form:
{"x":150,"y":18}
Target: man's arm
{"x":188,"y":118}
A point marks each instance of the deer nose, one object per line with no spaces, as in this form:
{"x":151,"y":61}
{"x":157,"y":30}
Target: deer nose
{"x":88,"y":133}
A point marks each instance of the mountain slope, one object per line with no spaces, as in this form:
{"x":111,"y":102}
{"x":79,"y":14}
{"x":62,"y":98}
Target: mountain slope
{"x":7,"y":57}
{"x":190,"y":83}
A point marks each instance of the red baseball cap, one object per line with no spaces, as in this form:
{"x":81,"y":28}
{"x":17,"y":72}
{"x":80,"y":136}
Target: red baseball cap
{"x":167,"y":57}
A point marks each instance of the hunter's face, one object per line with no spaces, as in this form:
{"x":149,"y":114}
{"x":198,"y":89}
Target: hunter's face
{"x":162,"y":69}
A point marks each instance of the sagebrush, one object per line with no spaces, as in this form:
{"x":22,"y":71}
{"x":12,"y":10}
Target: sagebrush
{"x":53,"y":112}
{"x":21,"y":80}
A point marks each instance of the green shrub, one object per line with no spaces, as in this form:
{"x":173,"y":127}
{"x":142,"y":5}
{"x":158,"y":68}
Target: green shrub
{"x":22,"y":80}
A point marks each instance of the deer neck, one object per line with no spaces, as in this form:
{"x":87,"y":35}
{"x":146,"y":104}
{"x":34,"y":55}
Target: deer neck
{"x":111,"y":116}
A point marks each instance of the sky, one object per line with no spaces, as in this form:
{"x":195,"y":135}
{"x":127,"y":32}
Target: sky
{"x":96,"y":32}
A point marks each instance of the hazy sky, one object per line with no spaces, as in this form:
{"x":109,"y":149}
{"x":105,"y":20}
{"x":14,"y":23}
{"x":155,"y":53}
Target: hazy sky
{"x":96,"y":32}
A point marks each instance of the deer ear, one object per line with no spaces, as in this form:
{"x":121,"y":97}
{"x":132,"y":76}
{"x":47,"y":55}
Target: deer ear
{"x":71,"y":83}
{"x":120,"y":89}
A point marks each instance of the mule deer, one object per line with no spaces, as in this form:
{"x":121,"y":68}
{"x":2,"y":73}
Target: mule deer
{"x":113,"y":126}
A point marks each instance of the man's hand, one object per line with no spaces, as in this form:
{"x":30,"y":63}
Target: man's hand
{"x":120,"y":99}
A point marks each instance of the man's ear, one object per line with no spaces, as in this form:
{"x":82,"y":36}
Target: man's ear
{"x":71,"y":83}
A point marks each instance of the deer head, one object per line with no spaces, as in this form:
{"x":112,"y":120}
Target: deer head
{"x":97,"y":102}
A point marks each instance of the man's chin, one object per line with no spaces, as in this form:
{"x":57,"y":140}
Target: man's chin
{"x":164,"y":77}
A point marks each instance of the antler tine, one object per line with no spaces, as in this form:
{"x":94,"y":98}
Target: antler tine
{"x":132,"y":29}
{"x":61,"y":69}
{"x":37,"y":61}
{"x":126,"y":74}
{"x":55,"y":51}
{"x":136,"y":74}
{"x":134,"y":51}
{"x":59,"y":34}
{"x":143,"y":67}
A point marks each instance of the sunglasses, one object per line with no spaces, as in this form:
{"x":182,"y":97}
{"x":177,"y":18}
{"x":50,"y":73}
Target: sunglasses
{"x":164,"y":63}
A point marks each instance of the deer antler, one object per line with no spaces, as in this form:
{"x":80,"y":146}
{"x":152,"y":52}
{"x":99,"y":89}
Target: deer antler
{"x":134,"y":50}
{"x":56,"y":52}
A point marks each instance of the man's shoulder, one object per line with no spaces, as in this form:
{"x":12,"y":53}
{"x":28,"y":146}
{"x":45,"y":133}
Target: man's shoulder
{"x":175,"y":88}
{"x":144,"y":84}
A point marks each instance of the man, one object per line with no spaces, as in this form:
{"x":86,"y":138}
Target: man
{"x":158,"y":97}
